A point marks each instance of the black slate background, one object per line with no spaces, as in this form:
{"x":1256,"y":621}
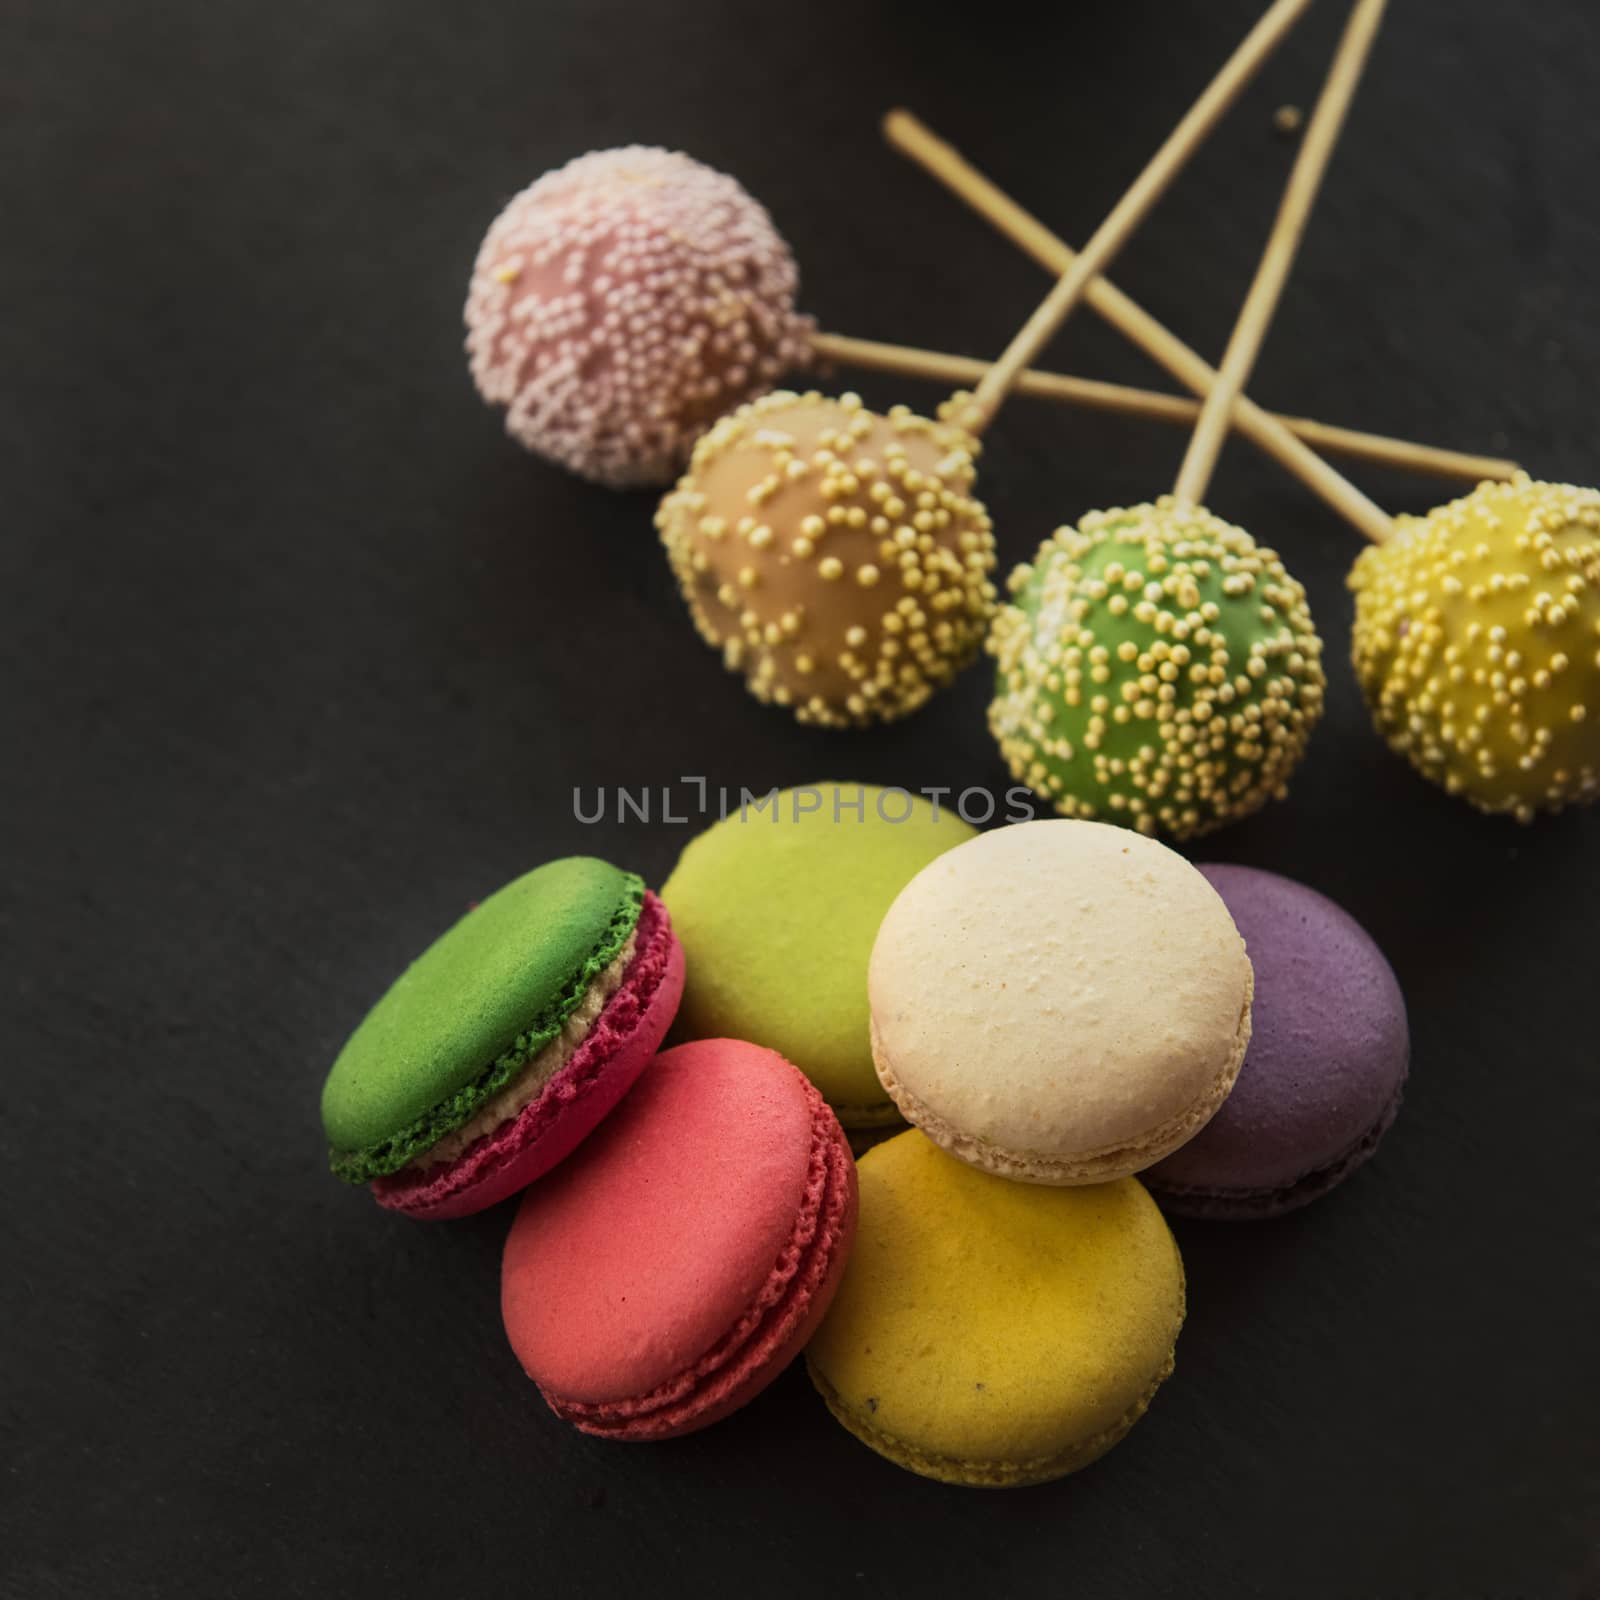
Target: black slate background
{"x":300,"y":655}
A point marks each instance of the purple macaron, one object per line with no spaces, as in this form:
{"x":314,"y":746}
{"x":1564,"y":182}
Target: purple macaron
{"x":1321,"y":1080}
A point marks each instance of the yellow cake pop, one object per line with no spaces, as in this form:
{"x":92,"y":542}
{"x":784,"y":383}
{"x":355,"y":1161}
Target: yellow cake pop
{"x":1477,"y":644}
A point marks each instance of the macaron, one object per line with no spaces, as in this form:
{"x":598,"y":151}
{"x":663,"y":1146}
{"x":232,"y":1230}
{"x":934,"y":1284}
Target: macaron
{"x":1059,"y":1002}
{"x":992,"y":1333}
{"x":671,"y":1272}
{"x":777,"y":908}
{"x":1322,"y":1079}
{"x":506,"y":1042}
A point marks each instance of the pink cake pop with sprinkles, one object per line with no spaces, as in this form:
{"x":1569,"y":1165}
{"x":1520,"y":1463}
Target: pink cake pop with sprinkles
{"x":622,"y":303}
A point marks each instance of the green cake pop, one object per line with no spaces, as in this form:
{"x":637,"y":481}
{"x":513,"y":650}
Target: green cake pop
{"x":1156,"y":667}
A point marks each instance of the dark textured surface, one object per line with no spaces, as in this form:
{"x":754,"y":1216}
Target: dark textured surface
{"x":301,"y":656}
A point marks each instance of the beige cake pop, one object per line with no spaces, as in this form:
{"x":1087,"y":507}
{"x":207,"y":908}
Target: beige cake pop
{"x":839,"y":558}
{"x":836,"y":556}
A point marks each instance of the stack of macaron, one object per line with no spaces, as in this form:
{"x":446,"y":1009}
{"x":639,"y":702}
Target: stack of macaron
{"x":692,"y":1220}
{"x":1057,"y":1006}
{"x":1052,"y":1006}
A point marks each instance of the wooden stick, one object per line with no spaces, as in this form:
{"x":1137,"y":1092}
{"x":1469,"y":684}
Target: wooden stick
{"x":874,"y":356}
{"x":945,"y":163}
{"x":1133,"y":207}
{"x":1283,"y":245}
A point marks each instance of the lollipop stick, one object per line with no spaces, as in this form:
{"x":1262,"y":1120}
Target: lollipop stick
{"x":1134,"y":207}
{"x":1283,"y":244}
{"x":944,"y":162}
{"x":873,"y":355}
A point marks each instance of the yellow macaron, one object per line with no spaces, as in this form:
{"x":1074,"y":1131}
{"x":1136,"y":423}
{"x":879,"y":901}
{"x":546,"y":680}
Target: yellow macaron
{"x":994,"y":1333}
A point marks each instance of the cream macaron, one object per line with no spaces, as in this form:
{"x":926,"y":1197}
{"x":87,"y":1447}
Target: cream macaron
{"x":1059,"y":1002}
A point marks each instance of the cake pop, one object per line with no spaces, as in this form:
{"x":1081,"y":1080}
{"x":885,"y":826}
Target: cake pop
{"x":836,"y":556}
{"x":839,"y":558}
{"x":622,"y":302}
{"x":1156,"y":666}
{"x":625,"y":300}
{"x":1477,"y":644}
{"x":1519,"y":745}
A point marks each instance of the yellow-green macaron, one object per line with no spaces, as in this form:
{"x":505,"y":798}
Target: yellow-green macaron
{"x":777,"y":907}
{"x":993,"y":1333}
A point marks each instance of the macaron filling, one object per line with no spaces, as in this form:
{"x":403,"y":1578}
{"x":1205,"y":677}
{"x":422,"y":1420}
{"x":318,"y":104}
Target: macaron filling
{"x":988,"y":1474}
{"x":1220,"y":1204}
{"x":560,"y":1074}
{"x":778,"y":1316}
{"x":397,"y":1150}
{"x":526,"y":1087}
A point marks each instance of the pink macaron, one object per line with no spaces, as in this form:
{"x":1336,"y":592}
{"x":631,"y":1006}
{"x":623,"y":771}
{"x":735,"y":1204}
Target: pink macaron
{"x":670,"y":1271}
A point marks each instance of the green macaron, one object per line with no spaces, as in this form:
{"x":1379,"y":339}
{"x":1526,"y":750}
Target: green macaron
{"x":472,"y":1011}
{"x":777,"y":909}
